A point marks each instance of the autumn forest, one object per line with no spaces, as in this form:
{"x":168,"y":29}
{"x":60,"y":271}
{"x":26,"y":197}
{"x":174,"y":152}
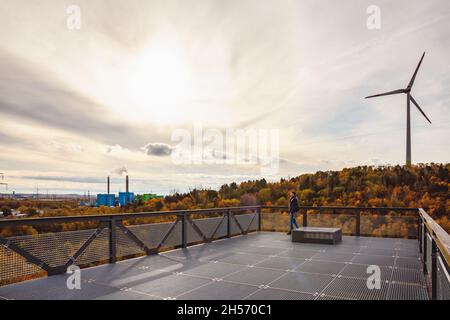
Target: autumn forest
{"x":423,"y":185}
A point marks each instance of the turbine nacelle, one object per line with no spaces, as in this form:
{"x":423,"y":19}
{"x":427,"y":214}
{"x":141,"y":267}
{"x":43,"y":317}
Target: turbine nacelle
{"x":406,"y":91}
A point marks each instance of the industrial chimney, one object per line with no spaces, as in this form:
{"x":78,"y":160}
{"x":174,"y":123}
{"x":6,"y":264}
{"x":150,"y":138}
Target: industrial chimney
{"x":126,"y":184}
{"x":107,"y":186}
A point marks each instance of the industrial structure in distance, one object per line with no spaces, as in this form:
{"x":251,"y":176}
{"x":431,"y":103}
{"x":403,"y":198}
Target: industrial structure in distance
{"x":124,"y":198}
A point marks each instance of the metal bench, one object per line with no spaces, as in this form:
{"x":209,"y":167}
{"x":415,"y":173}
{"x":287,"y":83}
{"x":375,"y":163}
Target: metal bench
{"x":317,"y":235}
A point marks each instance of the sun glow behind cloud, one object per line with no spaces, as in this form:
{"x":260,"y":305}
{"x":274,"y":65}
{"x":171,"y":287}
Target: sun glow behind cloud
{"x":159,"y":86}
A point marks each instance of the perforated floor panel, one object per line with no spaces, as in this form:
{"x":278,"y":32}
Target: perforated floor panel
{"x":257,"y":266}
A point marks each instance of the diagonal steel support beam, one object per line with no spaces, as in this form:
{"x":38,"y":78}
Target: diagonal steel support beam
{"x":250,"y":224}
{"x":83,"y":248}
{"x":155,"y":250}
{"x":133,"y":238}
{"x":237,"y":223}
{"x":217,"y":228}
{"x":28,"y":256}
{"x":197,"y":229}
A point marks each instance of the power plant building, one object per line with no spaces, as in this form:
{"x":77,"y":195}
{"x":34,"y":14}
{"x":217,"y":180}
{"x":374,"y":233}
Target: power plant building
{"x":104,"y":199}
{"x":126,"y":198}
{"x":147,"y":196}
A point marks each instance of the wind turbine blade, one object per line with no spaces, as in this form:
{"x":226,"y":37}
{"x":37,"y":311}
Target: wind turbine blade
{"x":387,"y":93}
{"x":411,"y":82}
{"x":417,"y":105}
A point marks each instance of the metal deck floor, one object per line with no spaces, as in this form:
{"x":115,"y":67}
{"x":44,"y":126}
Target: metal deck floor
{"x":263,"y":265}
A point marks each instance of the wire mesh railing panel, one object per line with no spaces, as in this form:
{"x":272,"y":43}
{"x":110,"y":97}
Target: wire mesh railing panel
{"x":125,"y":246}
{"x":208,"y":226}
{"x":222,"y":230}
{"x":372,"y":223}
{"x":192,"y":235}
{"x":391,"y":225}
{"x":234,"y":228}
{"x":174,"y":239}
{"x":347,"y":222}
{"x":152,"y":234}
{"x":97,"y":251}
{"x":247,"y":221}
{"x":443,"y":281}
{"x":277,"y":221}
{"x":14,"y":268}
{"x":55,"y":249}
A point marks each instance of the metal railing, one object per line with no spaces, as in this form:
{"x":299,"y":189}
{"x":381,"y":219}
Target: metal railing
{"x":33,"y":247}
{"x":358,"y":218}
{"x":434,"y":246}
{"x":51,"y":244}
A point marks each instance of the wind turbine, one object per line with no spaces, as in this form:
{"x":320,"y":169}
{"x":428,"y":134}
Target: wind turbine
{"x":409,"y":98}
{"x":3,"y":183}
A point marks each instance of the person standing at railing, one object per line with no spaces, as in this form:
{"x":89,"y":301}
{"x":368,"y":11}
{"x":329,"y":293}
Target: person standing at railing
{"x":293,"y":208}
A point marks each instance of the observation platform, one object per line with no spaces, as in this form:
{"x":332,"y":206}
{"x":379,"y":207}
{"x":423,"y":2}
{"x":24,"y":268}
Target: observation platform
{"x":255,"y":266}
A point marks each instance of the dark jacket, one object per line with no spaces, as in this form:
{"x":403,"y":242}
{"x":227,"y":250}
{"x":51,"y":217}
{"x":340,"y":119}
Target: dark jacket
{"x":293,"y":204}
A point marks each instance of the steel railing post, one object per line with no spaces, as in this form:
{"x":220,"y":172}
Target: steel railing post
{"x":184,"y":230}
{"x":258,"y":212}
{"x":433,"y":268}
{"x":425,"y":251}
{"x":305,"y":218}
{"x":112,"y":241}
{"x":228,"y":223}
{"x":358,"y":223}
{"x":419,"y":224}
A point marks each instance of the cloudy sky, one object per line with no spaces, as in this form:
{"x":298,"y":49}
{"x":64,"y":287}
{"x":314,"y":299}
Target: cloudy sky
{"x":79,"y":104}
